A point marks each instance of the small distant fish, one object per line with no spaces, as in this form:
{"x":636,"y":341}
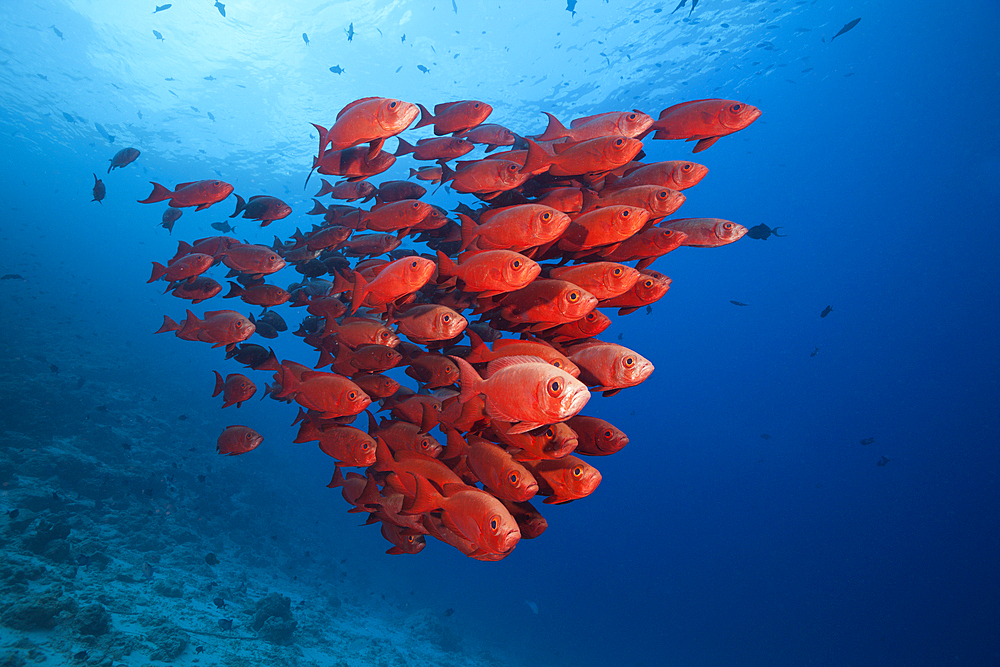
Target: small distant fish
{"x":12,"y":276}
{"x":13,"y":514}
{"x":649,"y":310}
{"x":350,"y":33}
{"x":182,"y":417}
{"x":162,"y":8}
{"x":738,"y":303}
{"x":43,"y":77}
{"x":99,"y":189}
{"x":211,"y":558}
{"x":226,"y":623}
{"x":402,"y":39}
{"x":571,"y":8}
{"x":219,"y":602}
{"x":195,"y":109}
{"x":423,"y":69}
{"x":147,"y":571}
{"x":761,"y":232}
{"x":157,"y":35}
{"x":223,"y":227}
{"x":53,"y":368}
{"x":454,"y":6}
{"x":803,"y":30}
{"x":867,"y":441}
{"x":305,"y":38}
{"x":170,"y":78}
{"x":683,"y":2}
{"x":210,"y":116}
{"x":814,"y":352}
{"x":337,"y":69}
{"x":221,"y":7}
{"x":620,"y":336}
{"x":209,"y":78}
{"x":139,"y":114}
{"x":842,"y":31}
{"x":808,"y":69}
{"x":531,"y":605}
{"x":68,"y":117}
{"x":58,"y":34}
{"x":199,"y":649}
{"x":201,"y":478}
{"x":766,"y":436}
{"x":882,"y":461}
{"x":399,"y":68}
{"x":80,"y":656}
{"x":104,"y":133}
{"x":449,"y":612}
{"x":826,"y":311}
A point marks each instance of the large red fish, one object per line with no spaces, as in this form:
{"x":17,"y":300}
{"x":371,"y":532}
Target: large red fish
{"x":195,"y":193}
{"x":252,"y":260}
{"x":596,"y":436}
{"x":546,"y":303}
{"x":484,"y":178}
{"x":454,"y":117}
{"x":488,"y":273}
{"x":706,"y":232}
{"x":676,"y":175}
{"x":646,"y":246}
{"x":514,"y":228}
{"x":329,"y":394}
{"x":368,"y":119}
{"x":565,"y":479}
{"x":186,"y":268}
{"x":238,"y":440}
{"x":602,"y":227}
{"x":235,"y":389}
{"x":438,"y":148}
{"x":490,"y":134}
{"x":615,"y":123}
{"x":354,"y":164}
{"x":647,"y":290}
{"x":605,"y":280}
{"x":264,"y":208}
{"x":659,"y":201}
{"x":525,"y":390}
{"x":704,"y":121}
{"x":220,"y":327}
{"x":398,"y":279}
{"x":609,"y":366}
{"x":587,"y":157}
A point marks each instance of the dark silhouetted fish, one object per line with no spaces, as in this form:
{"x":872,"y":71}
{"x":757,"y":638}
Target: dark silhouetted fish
{"x":449,"y":612}
{"x":571,"y":7}
{"x":221,"y":7}
{"x":12,"y":276}
{"x":157,"y":35}
{"x":68,"y":117}
{"x":305,"y":38}
{"x":53,"y":368}
{"x":199,"y":649}
{"x":80,"y":656}
{"x":83,"y":560}
{"x":170,"y":216}
{"x":814,"y":352}
{"x":210,"y":116}
{"x":122,"y":158}
{"x":683,"y":2}
{"x":649,"y":310}
{"x":147,"y":571}
{"x":766,"y":436}
{"x":13,"y":514}
{"x":209,"y":78}
{"x":58,"y":34}
{"x":162,"y":8}
{"x":99,"y":189}
{"x":337,"y":69}
{"x":867,"y":441}
{"x":826,"y":311}
{"x":223,"y":227}
{"x":350,"y":32}
{"x":104,"y":133}
{"x":761,"y":232}
{"x":847,"y":27}
{"x":226,"y":623}
{"x":738,"y":303}
{"x":211,"y":559}
{"x":882,"y":461}
{"x":423,"y":69}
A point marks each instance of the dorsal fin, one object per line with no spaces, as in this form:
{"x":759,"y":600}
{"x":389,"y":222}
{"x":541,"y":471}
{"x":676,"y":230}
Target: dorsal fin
{"x":501,"y":363}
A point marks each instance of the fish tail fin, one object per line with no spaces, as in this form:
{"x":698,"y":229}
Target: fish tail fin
{"x":590,"y":200}
{"x":404,"y":147}
{"x":317,"y":209}
{"x":426,"y":117}
{"x":413,"y":172}
{"x":446,"y":267}
{"x":289,"y":383}
{"x":456,"y":445}
{"x":159,"y":193}
{"x":324,"y":135}
{"x":555,"y":129}
{"x":240,"y":205}
{"x":219,"y":384}
{"x":359,"y":292}
{"x":326,"y":189}
{"x":427,"y":498}
{"x":112,"y":165}
{"x":168,"y":325}
{"x":158,"y":271}
{"x":369,"y":495}
{"x":383,"y":456}
{"x":234,"y":291}
{"x":447,"y":173}
{"x":537,"y":160}
{"x":470,"y":230}
{"x":479,"y":348}
{"x":471,"y":381}
{"x":338,"y":477}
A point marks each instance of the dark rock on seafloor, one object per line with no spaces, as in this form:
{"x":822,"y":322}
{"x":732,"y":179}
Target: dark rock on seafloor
{"x":93,"y":620}
{"x":273,"y":618}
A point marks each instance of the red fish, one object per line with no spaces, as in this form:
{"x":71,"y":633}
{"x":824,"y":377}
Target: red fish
{"x":609,"y":366}
{"x":220,"y":327}
{"x":602,"y":227}
{"x":587,"y":157}
{"x":258,"y":295}
{"x":454,"y":117}
{"x":659,"y":201}
{"x":565,"y":479}
{"x":348,"y":445}
{"x":124,"y":157}
{"x":550,"y":442}
{"x":369,"y":119}
{"x":252,"y":260}
{"x":514,"y":228}
{"x":525,"y":390}
{"x":348,"y":190}
{"x":675,"y":175}
{"x":431,"y":174}
{"x":509,"y":347}
{"x":376,"y":386}
{"x":502,"y":476}
{"x":484,"y":178}
{"x":611,"y":124}
{"x":647,"y":290}
{"x":403,"y":542}
{"x":354,"y":164}
{"x":706,"y":232}
{"x":488,"y":273}
{"x":391,"y":191}
{"x":398,"y":279}
{"x":235,"y":389}
{"x":354,"y":332}
{"x":186,"y":268}
{"x":646,"y":246}
{"x":605,"y":280}
{"x":238,"y":440}
{"x":395,"y":216}
{"x":438,"y":148}
{"x":195,"y":193}
{"x":704,"y":121}
{"x":490,"y":134}
{"x":329,"y":394}
{"x":546,"y":303}
{"x":404,"y":436}
{"x":592,"y":324}
{"x":428,"y":322}
{"x":366,"y":245}
{"x":529,"y":520}
{"x":596,"y":436}
{"x":263,"y":208}
{"x":198,"y":290}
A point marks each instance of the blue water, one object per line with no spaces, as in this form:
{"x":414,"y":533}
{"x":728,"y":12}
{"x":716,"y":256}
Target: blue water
{"x":705,"y":544}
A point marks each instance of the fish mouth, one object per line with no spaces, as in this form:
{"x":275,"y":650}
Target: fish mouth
{"x":576,"y":402}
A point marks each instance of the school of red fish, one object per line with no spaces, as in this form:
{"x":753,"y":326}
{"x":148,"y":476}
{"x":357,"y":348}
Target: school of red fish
{"x":544,"y":253}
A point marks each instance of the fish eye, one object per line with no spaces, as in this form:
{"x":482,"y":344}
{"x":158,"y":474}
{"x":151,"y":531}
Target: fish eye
{"x":687,"y":166}
{"x":662,"y":194}
{"x":647,"y":283}
{"x":578,"y":471}
{"x":727,"y":225}
{"x":629,"y":362}
{"x":555,"y":386}
{"x":513,"y":167}
{"x":557,"y":363}
{"x":617,"y":271}
{"x":608,"y":434}
{"x":550,"y":432}
{"x":413,"y":264}
{"x":392,"y":105}
{"x":446,"y":318}
{"x":516,"y":264}
{"x":514,"y":477}
{"x":632,"y":116}
{"x":239,"y":324}
{"x":273,"y":258}
{"x":215,"y":183}
{"x":476,"y":105}
{"x":591,"y":317}
{"x":249,"y":437}
{"x":353,"y":395}
{"x":365,"y":446}
{"x":736,"y":108}
{"x":493,"y":523}
{"x":619,"y":142}
{"x":626,"y":213}
{"x":573,"y":296}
